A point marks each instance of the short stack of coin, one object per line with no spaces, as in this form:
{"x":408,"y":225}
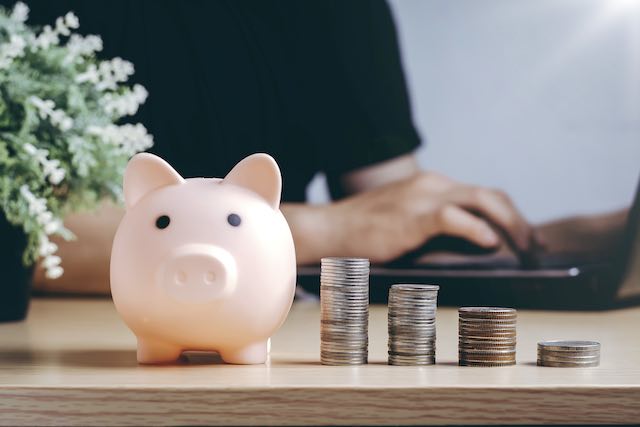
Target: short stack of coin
{"x":487,"y":336}
{"x":344,"y":311}
{"x":569,"y":354}
{"x":412,"y":324}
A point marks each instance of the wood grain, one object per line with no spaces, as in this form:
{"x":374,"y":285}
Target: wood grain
{"x":73,"y":363}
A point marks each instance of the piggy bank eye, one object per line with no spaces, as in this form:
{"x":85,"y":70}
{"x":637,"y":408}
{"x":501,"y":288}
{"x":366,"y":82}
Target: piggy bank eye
{"x":163,"y":222}
{"x":234,"y":219}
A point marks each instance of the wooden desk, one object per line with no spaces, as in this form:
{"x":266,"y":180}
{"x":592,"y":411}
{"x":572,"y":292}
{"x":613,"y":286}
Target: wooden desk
{"x":73,"y":362}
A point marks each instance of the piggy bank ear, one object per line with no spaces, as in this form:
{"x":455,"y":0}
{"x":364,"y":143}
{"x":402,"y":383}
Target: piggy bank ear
{"x":259,"y":173}
{"x":145,"y":173}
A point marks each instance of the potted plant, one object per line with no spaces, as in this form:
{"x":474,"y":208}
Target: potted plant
{"x":62,"y":146}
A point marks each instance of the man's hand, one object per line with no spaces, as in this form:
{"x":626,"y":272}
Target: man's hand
{"x":388,"y":221}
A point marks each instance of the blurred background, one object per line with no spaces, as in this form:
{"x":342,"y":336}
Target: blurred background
{"x":551,"y":85}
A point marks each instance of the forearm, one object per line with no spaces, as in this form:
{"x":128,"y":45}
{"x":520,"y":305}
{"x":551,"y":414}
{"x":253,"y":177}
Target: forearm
{"x":592,"y":234}
{"x":311,"y":229}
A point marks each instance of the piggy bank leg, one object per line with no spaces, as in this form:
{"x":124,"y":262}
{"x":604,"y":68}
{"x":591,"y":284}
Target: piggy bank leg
{"x":252,"y":354}
{"x":151,"y":351}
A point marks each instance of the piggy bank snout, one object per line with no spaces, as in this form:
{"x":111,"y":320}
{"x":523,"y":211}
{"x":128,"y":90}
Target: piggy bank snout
{"x":198,"y":273}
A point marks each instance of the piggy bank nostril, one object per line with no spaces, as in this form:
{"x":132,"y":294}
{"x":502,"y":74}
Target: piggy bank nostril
{"x":181,"y":277}
{"x":209,"y":277}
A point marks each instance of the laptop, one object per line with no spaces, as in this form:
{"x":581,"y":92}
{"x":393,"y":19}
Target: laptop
{"x":565,"y":281}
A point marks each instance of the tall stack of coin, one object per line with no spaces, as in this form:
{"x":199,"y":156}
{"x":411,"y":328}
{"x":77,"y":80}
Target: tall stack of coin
{"x":412,"y":324}
{"x":569,"y":354}
{"x":487,"y":336}
{"x":344,"y":311}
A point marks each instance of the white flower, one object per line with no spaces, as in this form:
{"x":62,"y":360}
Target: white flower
{"x":79,"y":46}
{"x":125,"y":104}
{"x":46,"y":109}
{"x":57,"y":176}
{"x":54,"y":272}
{"x":36,"y":205}
{"x":50,"y":224}
{"x":51,"y":36}
{"x":66,"y":24}
{"x":113,"y":72}
{"x":47,"y":37}
{"x":129,"y":138}
{"x":20,"y":12}
{"x":46,"y":247}
{"x":90,"y":75}
{"x":50,"y":167}
{"x":11,"y":50}
{"x":51,"y":261}
{"x":71,"y":20}
{"x":30,"y":149}
{"x":44,"y":217}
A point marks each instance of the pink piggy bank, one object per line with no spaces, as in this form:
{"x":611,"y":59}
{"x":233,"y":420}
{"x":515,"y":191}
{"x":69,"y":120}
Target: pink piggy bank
{"x":203,"y":263}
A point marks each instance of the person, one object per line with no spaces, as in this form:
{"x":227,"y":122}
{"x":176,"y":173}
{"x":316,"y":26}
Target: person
{"x":318,"y":85}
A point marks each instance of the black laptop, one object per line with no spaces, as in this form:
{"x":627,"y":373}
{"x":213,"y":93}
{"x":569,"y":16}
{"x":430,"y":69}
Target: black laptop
{"x":556,"y":282}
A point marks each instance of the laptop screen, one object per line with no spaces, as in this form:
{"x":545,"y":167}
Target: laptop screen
{"x":630,"y":253}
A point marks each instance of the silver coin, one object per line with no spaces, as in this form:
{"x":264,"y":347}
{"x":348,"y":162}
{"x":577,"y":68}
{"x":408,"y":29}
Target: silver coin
{"x":495,"y":351}
{"x":411,"y":360}
{"x":570,"y":359}
{"x":410,"y":355}
{"x":413,"y":287}
{"x":568,"y":356}
{"x":346,"y":316}
{"x":471,"y":347}
{"x":417,"y":333}
{"x":486,"y":325}
{"x":486,"y":364}
{"x":358,"y":329}
{"x":405,"y":320}
{"x":487,"y":340}
{"x":554,"y":364}
{"x":340,"y":260}
{"x":569,"y":345}
{"x":343,"y":355}
{"x":337,"y":326}
{"x":411,"y":350}
{"x":418,"y":314}
{"x":486,"y":310}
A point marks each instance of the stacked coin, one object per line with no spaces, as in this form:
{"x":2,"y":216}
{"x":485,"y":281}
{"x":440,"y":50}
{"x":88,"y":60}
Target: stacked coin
{"x":487,"y":336}
{"x":569,"y":354}
{"x":412,"y":324}
{"x":344,"y":311}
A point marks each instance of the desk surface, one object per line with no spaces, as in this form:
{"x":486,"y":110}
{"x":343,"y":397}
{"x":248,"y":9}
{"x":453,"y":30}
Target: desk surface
{"x":73,"y":362}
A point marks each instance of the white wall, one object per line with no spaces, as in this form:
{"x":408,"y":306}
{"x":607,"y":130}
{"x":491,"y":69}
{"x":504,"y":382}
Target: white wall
{"x":538,"y":97}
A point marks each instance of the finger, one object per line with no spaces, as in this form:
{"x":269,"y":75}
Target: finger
{"x":499,"y":210}
{"x":455,"y":221}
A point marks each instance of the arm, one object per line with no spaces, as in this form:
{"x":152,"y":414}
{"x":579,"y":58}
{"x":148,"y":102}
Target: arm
{"x":393,"y":208}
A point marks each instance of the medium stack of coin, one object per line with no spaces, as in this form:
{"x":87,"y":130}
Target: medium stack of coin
{"x":569,"y":354}
{"x":344,"y":311}
{"x":487,"y":336}
{"x":412,"y":324}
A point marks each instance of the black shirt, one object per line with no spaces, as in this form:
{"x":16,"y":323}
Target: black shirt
{"x":316,"y":84}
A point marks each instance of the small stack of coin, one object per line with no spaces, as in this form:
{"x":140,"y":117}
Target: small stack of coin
{"x":412,"y":324}
{"x":344,"y":311}
{"x":487,"y":336}
{"x":569,"y":354}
